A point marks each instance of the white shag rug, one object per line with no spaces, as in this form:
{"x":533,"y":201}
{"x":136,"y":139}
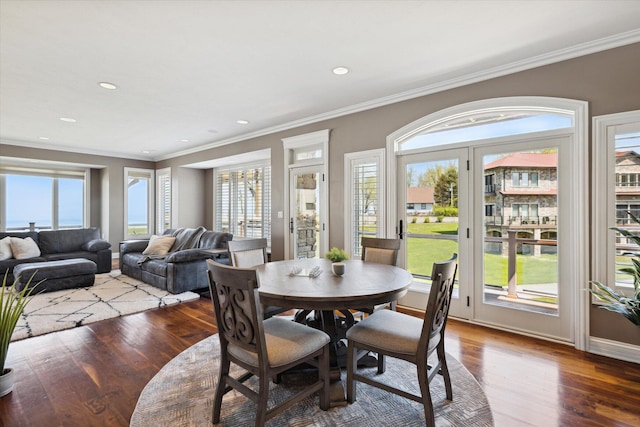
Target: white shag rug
{"x":112,"y":295}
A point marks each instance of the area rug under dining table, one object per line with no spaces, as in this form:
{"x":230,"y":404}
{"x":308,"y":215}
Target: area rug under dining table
{"x":112,"y":295}
{"x":181,"y":394}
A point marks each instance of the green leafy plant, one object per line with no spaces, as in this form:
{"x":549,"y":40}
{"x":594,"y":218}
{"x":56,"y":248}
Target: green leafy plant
{"x":629,"y":307}
{"x":336,"y":255}
{"x":12,"y":303}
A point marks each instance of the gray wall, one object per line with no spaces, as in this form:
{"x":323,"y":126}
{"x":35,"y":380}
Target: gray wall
{"x":107,"y":184}
{"x":608,"y":80}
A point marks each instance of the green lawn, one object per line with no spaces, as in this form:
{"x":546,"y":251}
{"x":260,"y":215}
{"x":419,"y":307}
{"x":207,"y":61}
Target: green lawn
{"x":424,"y":251}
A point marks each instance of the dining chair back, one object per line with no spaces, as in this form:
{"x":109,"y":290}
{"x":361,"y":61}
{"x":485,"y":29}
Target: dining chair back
{"x":247,"y":253}
{"x":263,"y":348}
{"x":398,"y":335}
{"x":382,"y":251}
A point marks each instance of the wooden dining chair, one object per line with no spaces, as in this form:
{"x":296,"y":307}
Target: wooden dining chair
{"x":398,"y":335}
{"x":250,"y":253}
{"x":381,"y":251}
{"x":264,"y":348}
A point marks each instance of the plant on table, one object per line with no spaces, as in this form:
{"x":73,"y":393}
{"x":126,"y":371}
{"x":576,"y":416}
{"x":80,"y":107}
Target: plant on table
{"x":629,"y":307}
{"x":12,"y":303}
{"x":336,"y":255}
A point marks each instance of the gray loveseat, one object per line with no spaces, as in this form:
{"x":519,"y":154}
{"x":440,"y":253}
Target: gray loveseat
{"x":184,"y":268}
{"x":58,"y":245}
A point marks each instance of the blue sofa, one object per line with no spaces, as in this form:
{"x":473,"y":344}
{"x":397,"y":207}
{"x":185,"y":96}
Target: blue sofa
{"x":184,"y":268}
{"x":58,"y":245}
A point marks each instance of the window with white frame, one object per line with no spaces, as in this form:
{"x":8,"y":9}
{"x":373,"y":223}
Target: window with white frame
{"x":364,"y":196}
{"x":138,"y":202}
{"x":524,"y":179}
{"x":617,"y":193}
{"x":57,"y":198}
{"x":163,"y":200}
{"x":243,"y":200}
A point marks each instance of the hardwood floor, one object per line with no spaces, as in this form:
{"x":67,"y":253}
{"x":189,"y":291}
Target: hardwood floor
{"x":93,"y":375}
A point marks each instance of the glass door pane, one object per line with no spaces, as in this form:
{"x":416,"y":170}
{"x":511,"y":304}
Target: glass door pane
{"x":520,"y":245}
{"x":433,"y":210}
{"x":519,"y":281}
{"x":305,"y":220}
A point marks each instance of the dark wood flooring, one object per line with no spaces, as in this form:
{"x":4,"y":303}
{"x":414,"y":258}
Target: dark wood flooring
{"x":93,"y":375}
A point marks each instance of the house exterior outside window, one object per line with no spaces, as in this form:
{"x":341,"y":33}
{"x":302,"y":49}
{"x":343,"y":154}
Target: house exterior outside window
{"x":524,"y":197}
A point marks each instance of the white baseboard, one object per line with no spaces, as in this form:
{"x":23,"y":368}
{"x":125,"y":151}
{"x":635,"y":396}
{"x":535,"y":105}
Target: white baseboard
{"x":614,"y":349}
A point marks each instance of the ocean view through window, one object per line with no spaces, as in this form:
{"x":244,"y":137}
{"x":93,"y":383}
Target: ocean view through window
{"x":57,"y":200}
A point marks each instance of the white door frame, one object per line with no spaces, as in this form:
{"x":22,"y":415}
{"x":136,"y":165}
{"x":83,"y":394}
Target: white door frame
{"x":292,"y":145}
{"x":578,"y":199}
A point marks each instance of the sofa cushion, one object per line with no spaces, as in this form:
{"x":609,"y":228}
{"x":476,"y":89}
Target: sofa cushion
{"x":96,"y":245}
{"x":155,"y":266}
{"x":5,"y":249}
{"x":159,"y":245}
{"x":59,"y":241}
{"x":24,"y":248}
{"x":214,"y":240}
{"x":187,"y":238}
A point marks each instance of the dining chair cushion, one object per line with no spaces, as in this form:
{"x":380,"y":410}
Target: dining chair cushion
{"x":390,"y":330}
{"x":380,"y":256}
{"x":286,"y":341}
{"x":249,"y":258}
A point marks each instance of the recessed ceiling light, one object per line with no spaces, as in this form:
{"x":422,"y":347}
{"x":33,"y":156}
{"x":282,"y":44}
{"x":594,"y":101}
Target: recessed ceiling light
{"x":68,"y":119}
{"x":44,"y":138}
{"x":107,"y":85}
{"x":145,"y":151}
{"x":340,"y":71}
{"x":243,"y":122}
{"x":184,"y":140}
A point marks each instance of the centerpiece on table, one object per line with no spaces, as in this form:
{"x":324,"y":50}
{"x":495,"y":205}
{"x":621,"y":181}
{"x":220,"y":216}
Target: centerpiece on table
{"x":337,"y":256}
{"x":12,"y":303}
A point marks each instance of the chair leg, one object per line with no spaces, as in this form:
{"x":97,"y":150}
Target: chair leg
{"x":444,"y":371}
{"x":323,"y":373}
{"x":352,"y":365}
{"x":263,"y":400}
{"x":219,"y":393}
{"x":382,"y":365}
{"x":423,"y":379}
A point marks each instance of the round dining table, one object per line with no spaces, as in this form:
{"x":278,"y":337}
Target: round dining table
{"x":293,"y":284}
{"x":362,"y":284}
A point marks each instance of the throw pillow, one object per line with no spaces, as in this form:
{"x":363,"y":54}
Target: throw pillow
{"x":159,"y":245}
{"x":5,"y":249}
{"x":24,"y":248}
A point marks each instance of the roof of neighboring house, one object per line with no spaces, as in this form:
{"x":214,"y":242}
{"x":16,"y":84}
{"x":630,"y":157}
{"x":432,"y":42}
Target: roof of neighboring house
{"x":525,"y":160}
{"x":420,"y":195}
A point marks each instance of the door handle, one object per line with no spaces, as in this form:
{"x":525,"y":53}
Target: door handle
{"x":291,"y":225}
{"x":400,"y":230}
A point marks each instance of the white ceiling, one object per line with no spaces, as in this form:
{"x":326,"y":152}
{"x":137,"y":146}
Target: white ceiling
{"x":191,"y":69}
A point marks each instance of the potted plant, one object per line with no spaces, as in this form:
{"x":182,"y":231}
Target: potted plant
{"x":12,"y":303}
{"x":337,"y":256}
{"x":629,"y":307}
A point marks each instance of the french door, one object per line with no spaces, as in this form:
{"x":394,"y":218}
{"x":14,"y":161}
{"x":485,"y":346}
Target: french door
{"x":306,"y":222}
{"x":433,"y":207}
{"x":499,"y":206}
{"x":520,"y":229}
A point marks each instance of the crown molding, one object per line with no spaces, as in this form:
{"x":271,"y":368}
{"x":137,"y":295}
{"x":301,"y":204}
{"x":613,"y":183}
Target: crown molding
{"x":559,"y":55}
{"x":76,"y":150}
